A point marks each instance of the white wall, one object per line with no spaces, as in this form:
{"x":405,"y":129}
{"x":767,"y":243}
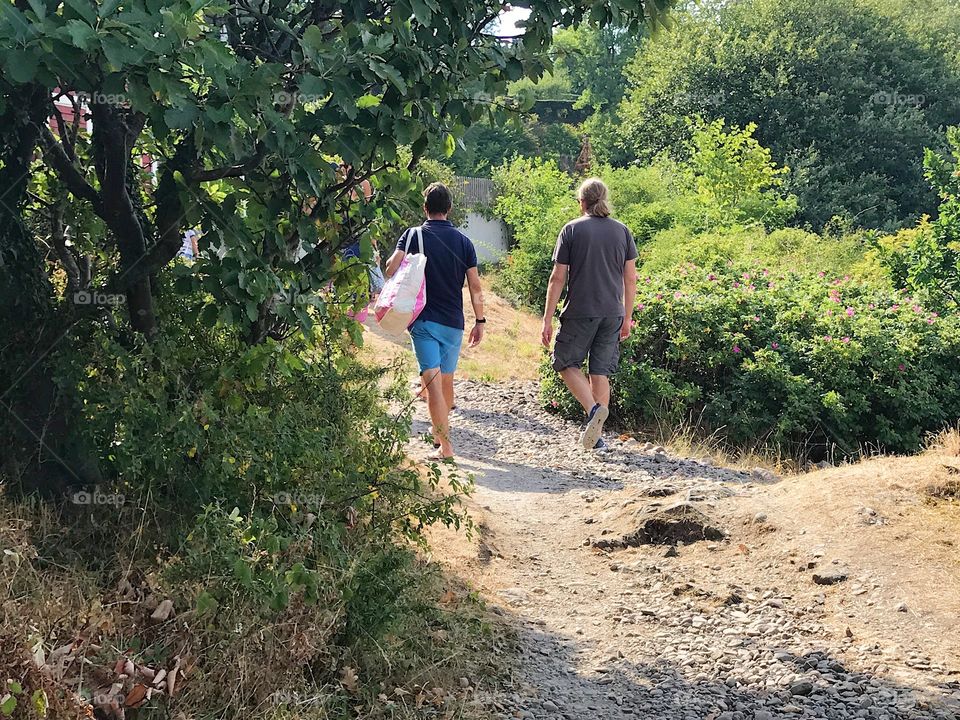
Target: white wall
{"x":489,"y":236}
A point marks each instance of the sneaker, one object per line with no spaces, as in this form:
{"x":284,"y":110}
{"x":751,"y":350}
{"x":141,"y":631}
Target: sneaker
{"x":601,"y":445}
{"x":594,"y":427}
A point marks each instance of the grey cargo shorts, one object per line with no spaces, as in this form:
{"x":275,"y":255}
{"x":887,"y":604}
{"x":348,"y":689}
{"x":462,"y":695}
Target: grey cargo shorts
{"x":598,"y":338}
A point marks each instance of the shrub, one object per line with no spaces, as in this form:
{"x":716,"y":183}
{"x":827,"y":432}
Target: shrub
{"x":535,"y":198}
{"x":800,"y":361}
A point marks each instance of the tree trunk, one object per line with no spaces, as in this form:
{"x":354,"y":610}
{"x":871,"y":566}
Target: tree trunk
{"x":40,"y":452}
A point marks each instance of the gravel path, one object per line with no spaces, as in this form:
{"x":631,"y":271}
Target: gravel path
{"x":631,"y":634}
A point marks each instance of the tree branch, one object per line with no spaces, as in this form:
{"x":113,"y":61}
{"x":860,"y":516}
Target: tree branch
{"x":67,"y":171}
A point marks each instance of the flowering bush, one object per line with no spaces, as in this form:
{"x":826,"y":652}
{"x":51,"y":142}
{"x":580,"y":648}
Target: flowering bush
{"x":803,"y":361}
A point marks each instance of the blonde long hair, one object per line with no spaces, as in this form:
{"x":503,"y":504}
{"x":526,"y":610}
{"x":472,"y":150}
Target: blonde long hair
{"x":594,"y":194}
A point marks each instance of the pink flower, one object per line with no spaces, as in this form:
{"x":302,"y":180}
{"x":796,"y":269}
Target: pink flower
{"x":756,"y":318}
{"x":711,"y":276}
{"x":934,"y":314}
{"x":746,"y":276}
{"x":736,"y":349}
{"x":775,"y":345}
{"x":736,"y":284}
{"x":828,"y":338}
{"x":829,"y":313}
{"x":931,"y":321}
{"x":677,"y":295}
{"x":770,"y":286}
{"x":850,"y":312}
{"x":845,"y":340}
{"x":659,"y":296}
{"x":917,"y":308}
{"x":871,"y":306}
{"x":641,"y":306}
{"x":554,"y":403}
{"x":766,"y":272}
{"x":821,"y":274}
{"x":901,"y":367}
{"x":894,"y":307}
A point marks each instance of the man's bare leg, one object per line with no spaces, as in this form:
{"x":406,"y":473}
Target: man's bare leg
{"x":600,"y":387}
{"x":580,"y":387}
{"x":447,"y":380}
{"x":439,"y":410}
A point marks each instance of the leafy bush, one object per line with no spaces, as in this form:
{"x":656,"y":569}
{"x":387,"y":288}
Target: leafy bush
{"x":535,"y":198}
{"x":928,"y":261}
{"x":801,"y":361}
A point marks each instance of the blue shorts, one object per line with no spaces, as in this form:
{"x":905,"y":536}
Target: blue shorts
{"x":436,"y":345}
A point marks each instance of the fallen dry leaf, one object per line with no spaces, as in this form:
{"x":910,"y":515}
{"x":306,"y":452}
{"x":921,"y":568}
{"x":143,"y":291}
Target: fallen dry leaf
{"x":448,"y":597}
{"x":136,"y":696}
{"x":158,"y":678}
{"x":349,"y":679}
{"x":743,"y":548}
{"x":172,"y":681}
{"x":163,"y":611}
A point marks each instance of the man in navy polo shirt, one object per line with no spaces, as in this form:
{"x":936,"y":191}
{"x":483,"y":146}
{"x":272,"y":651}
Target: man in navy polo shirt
{"x":438,"y":332}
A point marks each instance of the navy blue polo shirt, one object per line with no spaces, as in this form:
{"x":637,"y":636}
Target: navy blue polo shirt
{"x":449,"y":255}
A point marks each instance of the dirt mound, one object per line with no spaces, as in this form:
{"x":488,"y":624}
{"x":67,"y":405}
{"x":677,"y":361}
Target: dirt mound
{"x":682,"y":522}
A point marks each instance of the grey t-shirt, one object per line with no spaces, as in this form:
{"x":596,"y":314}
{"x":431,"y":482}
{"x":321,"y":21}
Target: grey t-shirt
{"x":596,"y":250}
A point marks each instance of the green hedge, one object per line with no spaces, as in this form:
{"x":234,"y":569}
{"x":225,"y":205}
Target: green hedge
{"x":802,"y":361}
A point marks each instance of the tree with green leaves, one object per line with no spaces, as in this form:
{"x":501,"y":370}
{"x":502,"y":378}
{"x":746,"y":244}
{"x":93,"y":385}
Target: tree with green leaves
{"x":929,"y":261}
{"x":124,"y":122}
{"x":846,"y":94}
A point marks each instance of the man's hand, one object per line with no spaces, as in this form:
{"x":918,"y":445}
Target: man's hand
{"x":546,"y":334}
{"x":625,"y":328}
{"x":476,"y":335}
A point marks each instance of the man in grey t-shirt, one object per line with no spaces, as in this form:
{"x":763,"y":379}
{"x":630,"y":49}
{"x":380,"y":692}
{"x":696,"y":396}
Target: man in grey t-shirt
{"x":596,"y":259}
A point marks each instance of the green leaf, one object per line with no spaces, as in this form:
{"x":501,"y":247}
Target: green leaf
{"x":40,"y":702}
{"x":181,"y":117}
{"x":206,"y":603}
{"x":243,"y":572}
{"x":14,"y":687}
{"x":82,"y":35}
{"x":21,"y":65}
{"x":449,"y":145}
{"x":389,"y":72}
{"x":39,"y":7}
{"x":7,"y":705}
{"x":368,"y":101}
{"x":83,"y":8}
{"x":313,"y":39}
{"x":422,"y":12}
{"x":107,"y":7}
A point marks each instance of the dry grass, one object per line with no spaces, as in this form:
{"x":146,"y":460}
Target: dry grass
{"x":946,"y":442}
{"x":72,"y":609}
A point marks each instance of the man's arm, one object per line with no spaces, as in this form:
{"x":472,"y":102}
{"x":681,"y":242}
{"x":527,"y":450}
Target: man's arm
{"x":558,"y":279}
{"x":393,"y":264}
{"x":629,"y":296}
{"x":476,"y":299}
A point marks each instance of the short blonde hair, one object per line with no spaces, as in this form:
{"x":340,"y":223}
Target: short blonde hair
{"x":594,"y":194}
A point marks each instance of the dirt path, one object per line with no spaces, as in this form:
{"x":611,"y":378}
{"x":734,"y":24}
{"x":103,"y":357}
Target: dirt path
{"x":728,"y":629}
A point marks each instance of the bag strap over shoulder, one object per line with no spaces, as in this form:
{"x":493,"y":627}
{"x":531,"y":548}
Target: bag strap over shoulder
{"x":419,"y":232}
